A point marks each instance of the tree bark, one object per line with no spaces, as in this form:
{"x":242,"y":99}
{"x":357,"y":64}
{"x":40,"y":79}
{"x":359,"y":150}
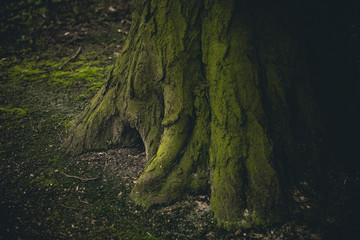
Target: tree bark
{"x":219,"y":93}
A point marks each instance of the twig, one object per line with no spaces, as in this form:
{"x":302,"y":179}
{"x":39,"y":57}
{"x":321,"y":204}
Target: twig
{"x":76,"y":177}
{"x":71,"y":208}
{"x":92,"y":60}
{"x":85,"y":202}
{"x":70,"y":59}
{"x":139,"y":155}
{"x":52,"y":69}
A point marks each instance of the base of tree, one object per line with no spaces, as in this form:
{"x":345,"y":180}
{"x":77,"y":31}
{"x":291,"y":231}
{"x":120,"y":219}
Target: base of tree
{"x":220,"y":96}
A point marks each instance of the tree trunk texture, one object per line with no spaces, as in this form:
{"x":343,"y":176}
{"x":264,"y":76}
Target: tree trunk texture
{"x":219,"y":93}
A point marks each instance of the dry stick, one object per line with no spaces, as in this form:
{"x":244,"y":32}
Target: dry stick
{"x":71,"y":208}
{"x":52,"y":69}
{"x":85,"y":202}
{"x":76,"y":177}
{"x":70,"y":59}
{"x":139,"y":155}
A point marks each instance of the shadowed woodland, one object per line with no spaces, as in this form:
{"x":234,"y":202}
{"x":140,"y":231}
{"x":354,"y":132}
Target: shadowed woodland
{"x":61,"y":60}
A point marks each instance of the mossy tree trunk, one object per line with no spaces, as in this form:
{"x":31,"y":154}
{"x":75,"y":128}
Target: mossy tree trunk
{"x":218,"y":92}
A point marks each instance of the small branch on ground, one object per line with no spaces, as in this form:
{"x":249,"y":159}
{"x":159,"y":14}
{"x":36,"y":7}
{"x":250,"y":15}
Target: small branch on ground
{"x":71,"y":208}
{"x":52,"y":69}
{"x":76,"y":177}
{"x":71,"y":59}
{"x":140,"y":155}
{"x":86,"y":202}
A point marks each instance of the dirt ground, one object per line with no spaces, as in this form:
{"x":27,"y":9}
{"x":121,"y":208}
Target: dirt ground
{"x":47,"y":78}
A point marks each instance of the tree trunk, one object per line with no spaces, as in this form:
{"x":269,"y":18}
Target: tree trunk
{"x":218,"y":92}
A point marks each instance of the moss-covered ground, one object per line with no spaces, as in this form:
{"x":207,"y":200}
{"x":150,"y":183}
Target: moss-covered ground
{"x":46,"y":80}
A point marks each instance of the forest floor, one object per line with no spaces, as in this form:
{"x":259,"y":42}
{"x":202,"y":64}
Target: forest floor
{"x":45,"y":83}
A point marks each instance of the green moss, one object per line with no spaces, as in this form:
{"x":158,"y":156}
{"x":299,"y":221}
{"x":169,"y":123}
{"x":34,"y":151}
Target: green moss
{"x":95,"y":86}
{"x":82,"y":72}
{"x":14,"y":112}
{"x":66,"y":123}
{"x":151,"y":187}
{"x":43,"y":181}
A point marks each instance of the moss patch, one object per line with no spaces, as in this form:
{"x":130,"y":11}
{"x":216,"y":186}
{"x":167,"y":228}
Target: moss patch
{"x":84,"y":73}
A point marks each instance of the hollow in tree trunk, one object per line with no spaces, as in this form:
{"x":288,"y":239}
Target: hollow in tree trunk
{"x":218,"y":92}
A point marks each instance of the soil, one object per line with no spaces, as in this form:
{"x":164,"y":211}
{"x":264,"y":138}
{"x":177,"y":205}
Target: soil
{"x":46,"y":80}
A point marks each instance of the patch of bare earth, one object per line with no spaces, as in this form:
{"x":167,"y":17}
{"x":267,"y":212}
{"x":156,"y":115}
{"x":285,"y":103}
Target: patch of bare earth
{"x":125,"y":164}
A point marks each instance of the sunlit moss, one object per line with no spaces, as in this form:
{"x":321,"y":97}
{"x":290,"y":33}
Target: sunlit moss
{"x":79,"y":73}
{"x":15,"y":112}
